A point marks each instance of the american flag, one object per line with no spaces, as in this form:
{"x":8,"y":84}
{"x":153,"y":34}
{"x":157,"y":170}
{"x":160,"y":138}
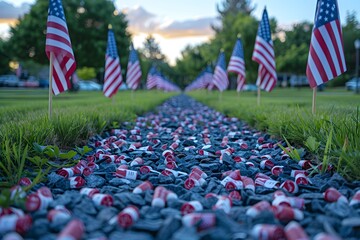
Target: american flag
{"x":153,"y":78}
{"x":237,"y":64}
{"x":326,"y":56}
{"x":113,"y":77}
{"x":220,"y":78}
{"x":133,"y":74}
{"x":58,"y":42}
{"x":264,"y":55}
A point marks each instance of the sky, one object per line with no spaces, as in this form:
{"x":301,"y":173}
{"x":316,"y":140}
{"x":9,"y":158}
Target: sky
{"x":176,"y":24}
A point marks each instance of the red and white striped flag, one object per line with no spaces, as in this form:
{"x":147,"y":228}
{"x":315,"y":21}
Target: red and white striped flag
{"x":237,"y":64}
{"x":265,"y":56}
{"x":326,"y":56}
{"x":153,"y":78}
{"x":133,"y":73}
{"x":58,"y":42}
{"x":113,"y":77}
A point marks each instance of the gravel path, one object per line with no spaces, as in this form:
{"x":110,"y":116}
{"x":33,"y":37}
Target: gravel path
{"x":187,"y":172}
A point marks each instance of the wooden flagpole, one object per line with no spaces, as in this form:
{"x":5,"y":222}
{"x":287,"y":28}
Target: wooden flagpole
{"x":50,"y":83}
{"x":258,"y":96}
{"x":314,"y":101}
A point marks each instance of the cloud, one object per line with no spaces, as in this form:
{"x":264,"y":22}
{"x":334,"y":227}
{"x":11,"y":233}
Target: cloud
{"x":9,"y":11}
{"x":142,"y":21}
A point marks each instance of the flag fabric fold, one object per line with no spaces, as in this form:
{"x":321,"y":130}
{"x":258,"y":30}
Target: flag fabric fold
{"x":237,"y":64}
{"x":264,"y":55}
{"x":326,"y":55}
{"x":113,"y":77}
{"x":153,"y":78}
{"x":133,"y":73}
{"x":58,"y":43}
{"x":220,"y":78}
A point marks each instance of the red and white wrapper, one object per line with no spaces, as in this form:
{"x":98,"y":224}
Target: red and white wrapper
{"x":266,"y":145}
{"x":235,"y":175}
{"x":147,"y":169}
{"x":286,"y":214}
{"x":300,"y":178}
{"x":355,"y":199}
{"x":207,"y":140}
{"x":256,"y":209}
{"x":89,"y":191}
{"x":167,"y":152}
{"x":266,"y":164}
{"x":127,"y":217}
{"x":74,"y":230}
{"x":39,"y":200}
{"x":125,"y":173}
{"x":146,"y":148}
{"x":174,"y":145}
{"x":159,"y":197}
{"x":59,"y":213}
{"x":295,"y":172}
{"x":267,"y":232}
{"x":143,"y":187}
{"x":168,"y":172}
{"x":231,"y":184}
{"x":205,"y":153}
{"x":192,"y":182}
{"x":171,"y":165}
{"x":235,"y":195}
{"x":290,"y":186}
{"x":294,"y":231}
{"x":248,"y":183}
{"x":200,"y":172}
{"x":305,"y":164}
{"x":268,"y":183}
{"x":261,"y":175}
{"x":103,"y":199}
{"x":108,"y":157}
{"x":278,"y":193}
{"x":277,"y":170}
{"x":333,"y":195}
{"x":66,"y":172}
{"x":13,"y":222}
{"x":190,"y":207}
{"x":25,"y":181}
{"x":202,"y":220}
{"x":76,"y":182}
{"x":224,"y":203}
{"x":137,"y":161}
{"x":281,"y":201}
{"x":10,"y":211}
{"x":239,"y":159}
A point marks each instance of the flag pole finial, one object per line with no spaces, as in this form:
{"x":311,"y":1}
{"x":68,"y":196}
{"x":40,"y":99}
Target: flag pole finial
{"x":109,"y":26}
{"x":239,"y":35}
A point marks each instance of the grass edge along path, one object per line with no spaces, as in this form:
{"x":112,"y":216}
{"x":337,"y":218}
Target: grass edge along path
{"x":76,"y":117}
{"x":332,"y":136}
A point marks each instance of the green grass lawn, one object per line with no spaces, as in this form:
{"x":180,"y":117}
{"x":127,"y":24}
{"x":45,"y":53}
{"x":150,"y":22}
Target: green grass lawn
{"x":287,"y":112}
{"x":76,"y":116}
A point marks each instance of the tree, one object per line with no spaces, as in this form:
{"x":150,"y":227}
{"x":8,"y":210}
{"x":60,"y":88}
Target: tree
{"x":87,"y":21}
{"x":351,"y":32}
{"x":4,"y":58}
{"x":151,"y":50}
{"x":234,"y":7}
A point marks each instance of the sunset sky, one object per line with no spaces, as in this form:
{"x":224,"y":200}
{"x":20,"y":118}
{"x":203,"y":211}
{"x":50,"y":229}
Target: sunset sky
{"x":176,"y":24}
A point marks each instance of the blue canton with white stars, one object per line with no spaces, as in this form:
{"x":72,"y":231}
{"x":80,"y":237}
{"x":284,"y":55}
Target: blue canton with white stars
{"x":238,"y":50}
{"x":264,"y":27}
{"x":133,"y":55}
{"x":326,"y":11}
{"x":111,"y":47}
{"x":56,"y":9}
{"x":221,"y":61}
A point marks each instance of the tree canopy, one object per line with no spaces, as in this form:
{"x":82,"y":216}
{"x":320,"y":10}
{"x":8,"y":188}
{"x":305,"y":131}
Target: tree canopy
{"x":87,"y":21}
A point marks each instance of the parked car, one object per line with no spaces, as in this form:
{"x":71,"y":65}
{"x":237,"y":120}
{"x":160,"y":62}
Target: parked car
{"x":31,"y":82}
{"x":9,"y":81}
{"x":351,"y":84}
{"x":89,"y":86}
{"x":250,"y":87}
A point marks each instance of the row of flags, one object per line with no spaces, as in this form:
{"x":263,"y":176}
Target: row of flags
{"x":62,"y":61}
{"x":326,"y":56}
